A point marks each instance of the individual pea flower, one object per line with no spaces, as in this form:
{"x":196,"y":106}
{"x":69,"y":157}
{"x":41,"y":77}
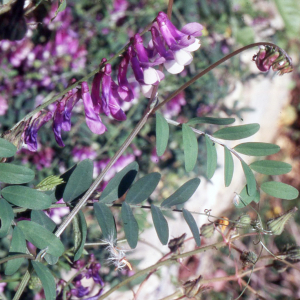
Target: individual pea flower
{"x":176,"y":243}
{"x":194,"y":289}
{"x":207,"y":230}
{"x":276,"y":225}
{"x":248,"y":258}
{"x":32,"y":128}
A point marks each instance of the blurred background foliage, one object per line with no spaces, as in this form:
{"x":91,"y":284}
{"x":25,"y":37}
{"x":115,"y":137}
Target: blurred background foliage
{"x":73,"y":44}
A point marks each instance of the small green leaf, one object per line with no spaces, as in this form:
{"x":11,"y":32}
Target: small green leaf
{"x":143,"y":188}
{"x":41,"y":237}
{"x":79,"y":181}
{"x":160,"y":224}
{"x":193,"y":226}
{"x":13,"y":174}
{"x":106,"y":221}
{"x":209,"y":120}
{"x":49,"y":183}
{"x":47,"y":280}
{"x":7,"y":149}
{"x":183,"y":194}
{"x":51,"y":259}
{"x":271,"y":167}
{"x":6,"y":217}
{"x":211,"y":157}
{"x":24,"y":196}
{"x":229,"y":167}
{"x":41,"y":218}
{"x":236,"y":132}
{"x":162,"y":134}
{"x":257,"y":149}
{"x":251,"y":183}
{"x":18,"y":245}
{"x":80,"y":232}
{"x":244,"y":199}
{"x":190,"y":146}
{"x":280,"y":190}
{"x":130,"y":225}
{"x":119,"y":184}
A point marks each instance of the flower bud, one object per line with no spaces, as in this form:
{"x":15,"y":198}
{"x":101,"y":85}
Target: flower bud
{"x":176,"y":243}
{"x":276,"y":225}
{"x":290,"y":253}
{"x":248,"y":258}
{"x":243,"y":221}
{"x":35,"y":283}
{"x":207,"y":230}
{"x":193,"y":289}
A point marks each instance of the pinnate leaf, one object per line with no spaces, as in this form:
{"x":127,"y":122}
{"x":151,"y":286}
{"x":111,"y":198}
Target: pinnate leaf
{"x":280,"y":190}
{"x":237,"y":132}
{"x":190,"y":146}
{"x":160,"y":224}
{"x":257,"y":149}
{"x":162,"y":134}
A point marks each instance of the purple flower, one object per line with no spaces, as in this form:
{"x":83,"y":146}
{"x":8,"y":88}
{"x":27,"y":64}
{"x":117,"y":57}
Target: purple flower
{"x":3,"y":106}
{"x":79,"y":290}
{"x":173,"y":107}
{"x":30,"y":134}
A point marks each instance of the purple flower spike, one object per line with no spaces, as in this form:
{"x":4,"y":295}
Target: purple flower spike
{"x":30,"y":135}
{"x":93,"y":120}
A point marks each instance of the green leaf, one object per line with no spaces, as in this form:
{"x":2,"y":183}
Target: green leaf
{"x":143,"y":188}
{"x":24,"y":196}
{"x":244,"y":199}
{"x":42,"y":238}
{"x":79,"y":181}
{"x":49,"y":183}
{"x":280,"y":190}
{"x":80,"y":232}
{"x":7,"y":149}
{"x":162,"y":134}
{"x":211,"y":157}
{"x":209,"y":120}
{"x":119,"y":184}
{"x":271,"y":167}
{"x":130,"y":225}
{"x":51,"y":259}
{"x":61,"y":7}
{"x":229,"y":167}
{"x":251,"y":183}
{"x":6,"y":217}
{"x":183,"y":194}
{"x":39,"y":217}
{"x":17,"y":246}
{"x":13,"y":174}
{"x":257,"y":149}
{"x":236,"y":132}
{"x":193,"y":226}
{"x":47,"y":280}
{"x":106,"y":221}
{"x":160,"y":224}
{"x":190,"y":146}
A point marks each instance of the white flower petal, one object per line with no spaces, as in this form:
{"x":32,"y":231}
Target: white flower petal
{"x":147,"y":90}
{"x":183,"y":57}
{"x":193,"y":47}
{"x":150,"y":76}
{"x":173,"y":67}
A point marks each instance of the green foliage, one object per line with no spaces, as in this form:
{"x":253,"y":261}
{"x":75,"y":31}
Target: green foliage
{"x":80,"y":233}
{"x":160,"y":224}
{"x":143,"y":188}
{"x":193,"y":226}
{"x":280,"y":190}
{"x":7,"y":149}
{"x":47,"y":280}
{"x":245,"y":199}
{"x":49,"y":183}
{"x":6,"y":217}
{"x":237,"y":132}
{"x":42,"y":219}
{"x":183,"y":194}
{"x":162,"y":134}
{"x":190,"y":146}
{"x":270,"y":167}
{"x":18,"y":245}
{"x":106,"y":221}
{"x":209,"y":120}
{"x":251,"y":183}
{"x":130,"y":225}
{"x":41,"y":237}
{"x":257,"y":149}
{"x":13,"y":174}
{"x":24,"y":196}
{"x":119,"y":184}
{"x":211,"y":163}
{"x":79,"y":181}
{"x":229,"y":166}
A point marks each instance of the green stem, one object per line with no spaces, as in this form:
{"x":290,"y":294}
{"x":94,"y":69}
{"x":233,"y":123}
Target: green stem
{"x":11,"y":257}
{"x":22,"y":286}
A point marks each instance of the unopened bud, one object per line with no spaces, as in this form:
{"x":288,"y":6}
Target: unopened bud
{"x":35,"y":283}
{"x":291,"y":254}
{"x":248,"y":258}
{"x":243,"y":221}
{"x":207,"y":230}
{"x":176,"y":243}
{"x":193,"y":288}
{"x":276,"y":225}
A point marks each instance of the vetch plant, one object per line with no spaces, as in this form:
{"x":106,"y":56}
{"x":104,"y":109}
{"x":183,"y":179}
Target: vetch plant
{"x":25,"y":210}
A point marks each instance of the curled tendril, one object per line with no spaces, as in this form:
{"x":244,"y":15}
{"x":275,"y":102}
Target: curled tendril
{"x":207,"y":212}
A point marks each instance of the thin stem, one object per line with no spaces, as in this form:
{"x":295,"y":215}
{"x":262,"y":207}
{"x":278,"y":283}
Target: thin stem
{"x":244,"y":283}
{"x":211,"y":67}
{"x":22,"y":286}
{"x":11,"y":257}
